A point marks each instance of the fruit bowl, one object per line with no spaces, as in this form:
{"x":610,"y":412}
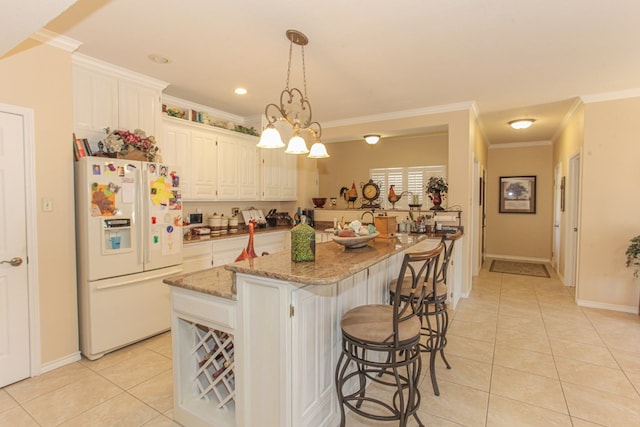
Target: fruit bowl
{"x":355,"y":242}
{"x":319,"y":202}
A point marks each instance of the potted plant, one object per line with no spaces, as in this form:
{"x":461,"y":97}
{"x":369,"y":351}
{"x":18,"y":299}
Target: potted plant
{"x":437,"y":189}
{"x":633,"y":255}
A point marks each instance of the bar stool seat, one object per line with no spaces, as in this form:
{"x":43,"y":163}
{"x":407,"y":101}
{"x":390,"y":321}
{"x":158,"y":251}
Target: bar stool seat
{"x":374,"y":324}
{"x":381,"y":345}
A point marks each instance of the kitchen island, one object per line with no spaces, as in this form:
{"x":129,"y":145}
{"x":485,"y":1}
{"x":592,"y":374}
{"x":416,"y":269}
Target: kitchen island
{"x":265,"y":355}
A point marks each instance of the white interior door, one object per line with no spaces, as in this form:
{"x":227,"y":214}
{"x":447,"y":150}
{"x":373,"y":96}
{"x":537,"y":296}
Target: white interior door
{"x":573,"y":216}
{"x":14,"y":291}
{"x":556,"y":216}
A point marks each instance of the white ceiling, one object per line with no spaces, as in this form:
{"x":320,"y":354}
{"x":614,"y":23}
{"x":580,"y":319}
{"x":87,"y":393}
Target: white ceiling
{"x":373,"y":57}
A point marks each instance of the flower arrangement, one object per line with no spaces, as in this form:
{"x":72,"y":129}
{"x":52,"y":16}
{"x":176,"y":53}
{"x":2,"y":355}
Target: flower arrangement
{"x":437,"y":184}
{"x":126,"y":143}
{"x":633,"y":255}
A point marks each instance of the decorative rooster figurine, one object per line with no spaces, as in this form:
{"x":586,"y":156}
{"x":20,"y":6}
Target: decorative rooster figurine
{"x":393,"y":198}
{"x":350,"y":196}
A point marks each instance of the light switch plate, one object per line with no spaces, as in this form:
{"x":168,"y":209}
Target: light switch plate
{"x":47,"y":205}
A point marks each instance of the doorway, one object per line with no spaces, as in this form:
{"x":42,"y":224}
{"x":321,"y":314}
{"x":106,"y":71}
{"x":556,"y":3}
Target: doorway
{"x":573,"y":221}
{"x":557,"y":205}
{"x":19,"y":336}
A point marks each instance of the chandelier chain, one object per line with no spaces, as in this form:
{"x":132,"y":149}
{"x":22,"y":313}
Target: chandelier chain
{"x":304,"y":73}
{"x":289,"y":66}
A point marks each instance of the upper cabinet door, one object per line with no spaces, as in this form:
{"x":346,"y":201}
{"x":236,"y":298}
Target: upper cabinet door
{"x":247,"y":170}
{"x":138,"y":107}
{"x":228,"y":159}
{"x":95,"y":103}
{"x":175,"y":149}
{"x":203,"y":161}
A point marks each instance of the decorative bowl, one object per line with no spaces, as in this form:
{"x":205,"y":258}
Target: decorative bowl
{"x":355,"y":242}
{"x":319,"y":202}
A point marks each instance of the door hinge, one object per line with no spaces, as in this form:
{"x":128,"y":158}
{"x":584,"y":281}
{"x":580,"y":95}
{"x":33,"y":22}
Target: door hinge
{"x":291,"y":310}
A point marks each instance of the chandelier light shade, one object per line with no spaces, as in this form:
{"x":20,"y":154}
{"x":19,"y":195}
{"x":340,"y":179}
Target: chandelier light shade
{"x":521,"y":123}
{"x":372,"y":139}
{"x":318,"y":151}
{"x":297,"y":145}
{"x":270,"y":138}
{"x":294,"y":109}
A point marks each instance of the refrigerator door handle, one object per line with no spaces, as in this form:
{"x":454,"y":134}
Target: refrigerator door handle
{"x":141,"y":218}
{"x":165,"y":273}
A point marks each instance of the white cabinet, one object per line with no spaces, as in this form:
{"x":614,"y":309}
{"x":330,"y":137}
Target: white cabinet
{"x":95,"y":103}
{"x":227,"y":250}
{"x":305,"y":321}
{"x":215,"y":164}
{"x":175,"y":151}
{"x":197,"y":256}
{"x":247,"y":169}
{"x":237,"y":168}
{"x":138,"y":107}
{"x":107,"y":96}
{"x":194,"y":154}
{"x":279,"y":175}
{"x":202,"y":166}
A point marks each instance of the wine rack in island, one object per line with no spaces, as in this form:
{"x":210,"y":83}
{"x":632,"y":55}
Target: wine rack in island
{"x":213,"y":354}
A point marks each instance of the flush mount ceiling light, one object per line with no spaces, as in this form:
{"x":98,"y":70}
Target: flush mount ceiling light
{"x":521,"y":123}
{"x":295,"y":110}
{"x":158,"y":59}
{"x":240,"y":91}
{"x":372,"y":139}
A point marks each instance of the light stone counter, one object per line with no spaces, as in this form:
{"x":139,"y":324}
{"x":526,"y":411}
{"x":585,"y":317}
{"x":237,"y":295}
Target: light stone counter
{"x":333,"y":261}
{"x":214,"y":281}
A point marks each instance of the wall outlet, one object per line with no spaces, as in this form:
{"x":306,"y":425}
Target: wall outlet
{"x":235,"y":211}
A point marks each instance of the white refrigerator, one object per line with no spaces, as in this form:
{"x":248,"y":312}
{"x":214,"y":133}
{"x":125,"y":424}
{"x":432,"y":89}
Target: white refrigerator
{"x":129,"y":238}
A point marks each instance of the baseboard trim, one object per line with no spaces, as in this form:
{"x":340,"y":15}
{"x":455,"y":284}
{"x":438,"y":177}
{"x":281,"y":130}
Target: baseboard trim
{"x":518,"y":258}
{"x":604,"y":306}
{"x":55,"y":364}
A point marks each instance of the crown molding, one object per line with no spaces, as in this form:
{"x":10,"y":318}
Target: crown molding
{"x":576,"y":104}
{"x":404,"y":114}
{"x":520,"y":144}
{"x":56,"y":40}
{"x":611,"y":96}
{"x":94,"y":64}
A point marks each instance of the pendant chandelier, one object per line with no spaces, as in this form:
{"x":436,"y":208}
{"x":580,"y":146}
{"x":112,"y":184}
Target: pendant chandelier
{"x":295,"y":110}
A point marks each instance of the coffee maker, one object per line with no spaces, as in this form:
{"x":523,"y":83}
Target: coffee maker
{"x":309,"y":214}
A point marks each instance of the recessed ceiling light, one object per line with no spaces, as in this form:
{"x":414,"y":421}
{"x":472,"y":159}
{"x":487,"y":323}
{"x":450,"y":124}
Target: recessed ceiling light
{"x":158,"y":59}
{"x":521,"y":123}
{"x":372,"y":139}
{"x":240,"y":91}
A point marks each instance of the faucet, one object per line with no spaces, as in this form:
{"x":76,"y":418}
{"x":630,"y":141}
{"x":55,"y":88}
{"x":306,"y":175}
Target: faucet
{"x":370,"y":213}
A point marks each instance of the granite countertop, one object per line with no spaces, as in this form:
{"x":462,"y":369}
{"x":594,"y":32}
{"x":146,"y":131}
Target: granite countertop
{"x":333,"y":262}
{"x":216,"y":281}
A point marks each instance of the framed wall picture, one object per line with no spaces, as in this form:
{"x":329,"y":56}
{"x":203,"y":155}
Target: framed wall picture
{"x":518,"y":194}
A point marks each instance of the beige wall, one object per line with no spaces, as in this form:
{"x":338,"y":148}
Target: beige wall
{"x":520,"y":236}
{"x":610,"y":204}
{"x":350,"y":161}
{"x":39,"y":77}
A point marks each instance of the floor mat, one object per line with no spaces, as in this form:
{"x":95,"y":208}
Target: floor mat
{"x":515,"y":267}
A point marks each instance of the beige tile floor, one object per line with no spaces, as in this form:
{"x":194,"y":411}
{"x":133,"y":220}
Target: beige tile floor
{"x":522,"y":354}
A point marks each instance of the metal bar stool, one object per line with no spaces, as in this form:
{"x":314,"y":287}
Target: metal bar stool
{"x":434,"y":317}
{"x":381,"y":344}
